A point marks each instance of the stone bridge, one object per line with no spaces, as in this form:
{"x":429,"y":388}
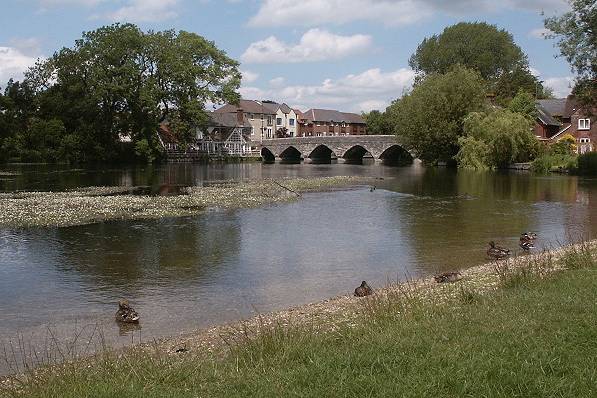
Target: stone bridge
{"x":348,"y":147}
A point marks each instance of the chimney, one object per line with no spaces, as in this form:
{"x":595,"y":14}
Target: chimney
{"x":240,"y":116}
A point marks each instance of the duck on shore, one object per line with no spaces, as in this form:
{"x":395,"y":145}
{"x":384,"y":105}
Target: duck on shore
{"x":497,"y":252}
{"x":448,"y":277}
{"x":363,"y":290}
{"x":526,"y":245}
{"x":126,"y":313}
{"x":528,"y":236}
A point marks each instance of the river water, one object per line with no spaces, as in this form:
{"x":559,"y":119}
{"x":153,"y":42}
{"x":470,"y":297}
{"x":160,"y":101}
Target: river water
{"x":182,"y":274}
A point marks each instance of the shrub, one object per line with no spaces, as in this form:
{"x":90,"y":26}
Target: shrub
{"x":587,"y":163}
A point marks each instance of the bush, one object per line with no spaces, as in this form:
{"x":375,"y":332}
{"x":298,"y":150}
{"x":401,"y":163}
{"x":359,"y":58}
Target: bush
{"x":553,"y":162}
{"x":587,"y":163}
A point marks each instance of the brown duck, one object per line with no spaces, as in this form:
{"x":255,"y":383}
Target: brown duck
{"x":363,"y":290}
{"x":448,"y":277}
{"x":126,"y":313}
{"x":497,"y":252}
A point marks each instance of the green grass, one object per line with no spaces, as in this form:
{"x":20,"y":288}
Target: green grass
{"x":535,"y":336}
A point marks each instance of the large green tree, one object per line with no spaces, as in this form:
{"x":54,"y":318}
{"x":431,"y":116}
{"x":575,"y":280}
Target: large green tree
{"x":482,"y":47}
{"x":576,"y":35}
{"x":430,"y":118}
{"x":120,"y":81}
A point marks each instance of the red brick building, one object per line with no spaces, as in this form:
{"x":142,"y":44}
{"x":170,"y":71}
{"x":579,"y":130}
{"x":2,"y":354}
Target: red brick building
{"x":326,"y":122}
{"x":558,"y":117}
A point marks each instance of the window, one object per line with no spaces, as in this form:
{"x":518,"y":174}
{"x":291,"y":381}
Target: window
{"x":584,"y":124}
{"x":269,"y":120}
{"x":278,"y":121}
{"x":585,"y":140}
{"x":291,"y":122}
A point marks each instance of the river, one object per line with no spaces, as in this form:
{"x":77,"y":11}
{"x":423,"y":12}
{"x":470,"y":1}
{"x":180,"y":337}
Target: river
{"x":182,"y":274}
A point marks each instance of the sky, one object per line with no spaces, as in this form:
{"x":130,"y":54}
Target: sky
{"x":350,"y":55}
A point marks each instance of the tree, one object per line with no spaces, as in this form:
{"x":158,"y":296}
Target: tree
{"x":430,"y":118}
{"x":119,"y":81}
{"x":483,"y":48}
{"x":377,"y":123}
{"x":524,"y":103}
{"x":576,"y":35}
{"x":496,"y":139}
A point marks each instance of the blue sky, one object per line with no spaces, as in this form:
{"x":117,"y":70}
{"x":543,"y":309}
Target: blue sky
{"x":344,"y":54}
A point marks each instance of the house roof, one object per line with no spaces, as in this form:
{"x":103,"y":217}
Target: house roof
{"x":545,"y":118}
{"x":166,"y":135}
{"x":226,"y":120}
{"x":248,"y":106}
{"x":555,"y":107}
{"x":329,"y":115}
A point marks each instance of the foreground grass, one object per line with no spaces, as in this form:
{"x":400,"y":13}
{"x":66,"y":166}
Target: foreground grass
{"x":534,"y":336}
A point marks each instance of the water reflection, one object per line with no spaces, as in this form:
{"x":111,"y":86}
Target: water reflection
{"x":185,"y":273}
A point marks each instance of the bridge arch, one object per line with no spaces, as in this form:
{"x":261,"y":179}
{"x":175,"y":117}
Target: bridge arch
{"x":396,"y":155}
{"x":355,"y":153}
{"x":321,"y":153}
{"x":291,"y":154}
{"x":267,"y":155}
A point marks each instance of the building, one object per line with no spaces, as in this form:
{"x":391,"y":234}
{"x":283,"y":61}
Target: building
{"x":226,"y":134}
{"x":260,"y":115}
{"x":559,"y":117}
{"x":326,"y":122}
{"x":286,"y":119}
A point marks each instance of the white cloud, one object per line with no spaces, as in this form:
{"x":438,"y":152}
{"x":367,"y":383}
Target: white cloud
{"x":561,"y":86}
{"x":13,"y":64}
{"x":53,"y":3}
{"x":539,"y":33}
{"x":371,"y":89}
{"x":389,"y":12}
{"x":315,"y":45}
{"x":277,"y":82}
{"x":248,"y":76}
{"x":145,"y":11}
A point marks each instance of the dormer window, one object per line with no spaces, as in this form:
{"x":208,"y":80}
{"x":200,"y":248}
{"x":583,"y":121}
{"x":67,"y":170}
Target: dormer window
{"x":584,"y":124}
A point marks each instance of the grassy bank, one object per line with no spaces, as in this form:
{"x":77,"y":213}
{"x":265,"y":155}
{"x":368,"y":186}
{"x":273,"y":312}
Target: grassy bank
{"x":515,"y":329}
{"x":98,"y":204}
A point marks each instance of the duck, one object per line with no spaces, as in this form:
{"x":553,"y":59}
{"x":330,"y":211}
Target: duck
{"x":363,"y":290}
{"x":497,"y":252}
{"x":126,"y":313}
{"x":526,"y":244}
{"x":448,"y":277}
{"x":528,"y":236}
{"x":372,"y":188}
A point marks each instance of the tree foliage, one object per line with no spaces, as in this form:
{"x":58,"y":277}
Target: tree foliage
{"x":430,"y":118}
{"x":377,"y":123}
{"x":576,"y":35}
{"x":496,"y":139}
{"x":115,"y":82}
{"x":483,"y":48}
{"x":524,"y":103}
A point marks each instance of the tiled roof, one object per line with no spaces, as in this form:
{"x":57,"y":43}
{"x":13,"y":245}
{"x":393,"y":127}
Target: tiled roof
{"x":248,"y":106}
{"x":329,"y":115}
{"x":545,"y":117}
{"x":226,"y":120}
{"x":555,"y":107}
